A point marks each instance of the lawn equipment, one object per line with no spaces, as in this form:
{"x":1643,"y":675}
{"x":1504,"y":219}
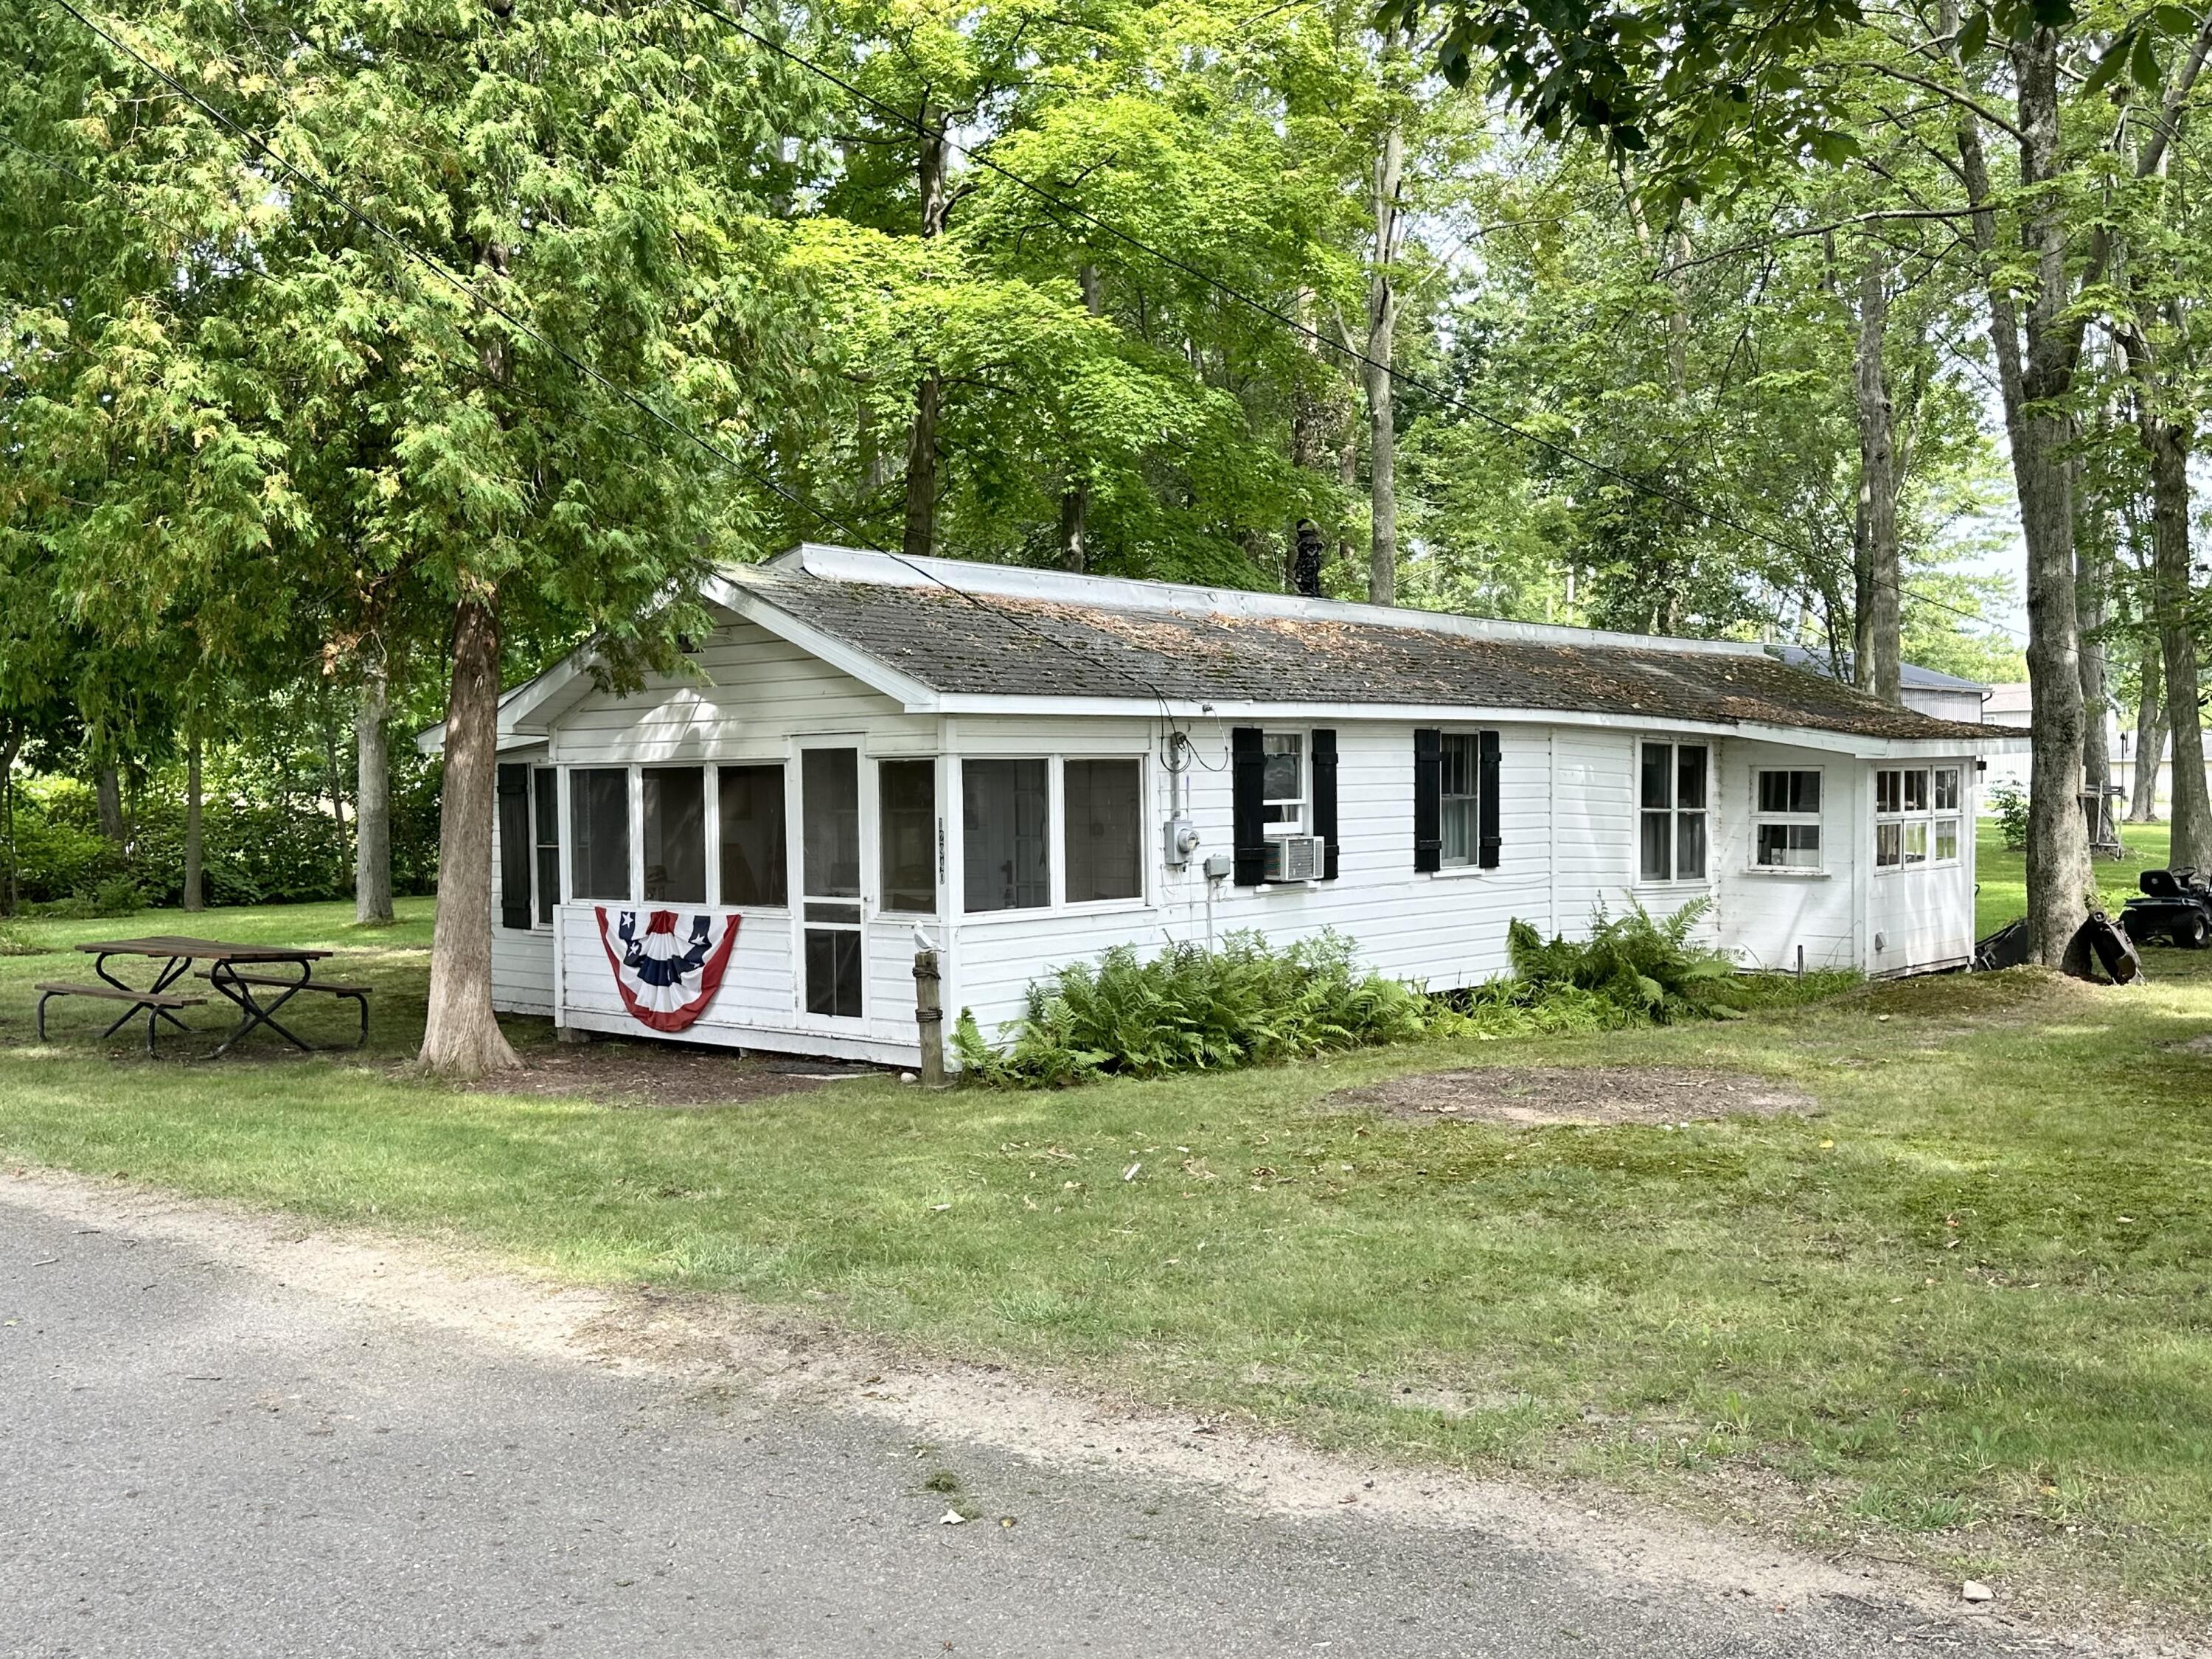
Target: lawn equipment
{"x":2176,"y":905}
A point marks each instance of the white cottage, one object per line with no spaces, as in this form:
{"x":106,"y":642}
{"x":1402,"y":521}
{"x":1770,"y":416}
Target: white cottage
{"x":1026,"y":767}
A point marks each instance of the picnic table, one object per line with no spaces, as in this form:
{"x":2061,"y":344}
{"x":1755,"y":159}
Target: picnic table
{"x":242,"y":974}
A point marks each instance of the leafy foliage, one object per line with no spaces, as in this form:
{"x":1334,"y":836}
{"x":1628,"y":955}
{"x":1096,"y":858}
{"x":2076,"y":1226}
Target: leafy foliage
{"x":1644,"y":966}
{"x":2009,"y":803}
{"x":1189,"y":1008}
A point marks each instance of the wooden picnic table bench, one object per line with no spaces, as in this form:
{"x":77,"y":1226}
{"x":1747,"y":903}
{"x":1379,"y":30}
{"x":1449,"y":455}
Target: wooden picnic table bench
{"x":177,"y":952}
{"x":152,"y":1003}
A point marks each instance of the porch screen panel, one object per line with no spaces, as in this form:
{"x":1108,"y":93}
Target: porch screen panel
{"x":830,"y":780}
{"x":906,"y":800}
{"x":1006,"y":863}
{"x":755,"y":863}
{"x":547,"y":783}
{"x":514,"y":909}
{"x":1103,"y":831}
{"x":830,"y":869}
{"x":598,"y":814}
{"x":675,"y":825}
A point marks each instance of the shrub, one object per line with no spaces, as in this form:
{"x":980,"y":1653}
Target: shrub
{"x":2009,"y":802}
{"x":1242,"y":1004}
{"x":1645,"y":967}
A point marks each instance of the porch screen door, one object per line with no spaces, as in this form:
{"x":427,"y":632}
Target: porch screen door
{"x":830,"y":804}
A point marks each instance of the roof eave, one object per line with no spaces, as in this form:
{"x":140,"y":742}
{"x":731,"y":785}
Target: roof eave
{"x":913,"y":695}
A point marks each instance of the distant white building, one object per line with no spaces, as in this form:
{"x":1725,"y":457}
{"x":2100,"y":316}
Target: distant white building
{"x":2009,"y":705}
{"x":1941,"y":697}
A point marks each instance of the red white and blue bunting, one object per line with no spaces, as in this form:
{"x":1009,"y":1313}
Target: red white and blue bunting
{"x":666,"y":967}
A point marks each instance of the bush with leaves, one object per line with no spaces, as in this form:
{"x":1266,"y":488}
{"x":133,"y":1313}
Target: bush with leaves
{"x":1189,"y":1008}
{"x":2009,"y":802}
{"x":1645,"y":966}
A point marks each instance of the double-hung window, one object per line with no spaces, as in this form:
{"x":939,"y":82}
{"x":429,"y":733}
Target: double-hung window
{"x":529,"y":845}
{"x":1283,"y":774}
{"x":1916,"y":816}
{"x":1786,"y":820}
{"x":1459,"y":797}
{"x":1671,"y":789}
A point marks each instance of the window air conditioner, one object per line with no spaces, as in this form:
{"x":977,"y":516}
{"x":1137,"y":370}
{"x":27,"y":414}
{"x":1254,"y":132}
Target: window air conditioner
{"x":1295,"y":857}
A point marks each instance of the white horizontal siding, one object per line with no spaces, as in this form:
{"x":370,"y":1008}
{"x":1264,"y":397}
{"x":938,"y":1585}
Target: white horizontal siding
{"x":1568,"y":832}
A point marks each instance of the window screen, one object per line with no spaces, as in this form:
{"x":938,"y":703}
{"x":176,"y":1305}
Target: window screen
{"x":675,"y":825}
{"x":905,"y":801}
{"x":754,"y":867}
{"x":830,"y":780}
{"x":1284,"y":783}
{"x":1006,"y":865}
{"x":1103,"y":829}
{"x":548,"y":785}
{"x":598,"y":814}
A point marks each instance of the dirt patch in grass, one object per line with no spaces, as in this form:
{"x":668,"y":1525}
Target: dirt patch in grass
{"x":1578,"y":1094}
{"x":633,"y":1074}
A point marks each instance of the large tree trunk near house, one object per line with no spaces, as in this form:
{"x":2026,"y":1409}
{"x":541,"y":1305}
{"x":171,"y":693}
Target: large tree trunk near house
{"x":2168,"y":445}
{"x":195,"y":897}
{"x":462,"y":1038}
{"x":2150,"y":734}
{"x":1878,"y":640}
{"x":107,"y":794}
{"x":372,"y":839}
{"x":921,"y":533}
{"x":1382,"y":344}
{"x":2061,"y":883}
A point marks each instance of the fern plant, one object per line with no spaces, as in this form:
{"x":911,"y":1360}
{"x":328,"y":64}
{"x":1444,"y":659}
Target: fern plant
{"x":1190,"y":1009}
{"x":1643,"y":965}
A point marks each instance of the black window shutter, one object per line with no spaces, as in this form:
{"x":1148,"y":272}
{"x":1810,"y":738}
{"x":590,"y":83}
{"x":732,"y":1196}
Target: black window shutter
{"x":1324,"y":798}
{"x":1248,"y":795}
{"x":515,"y":846}
{"x":1428,"y":798}
{"x":1486,"y":800}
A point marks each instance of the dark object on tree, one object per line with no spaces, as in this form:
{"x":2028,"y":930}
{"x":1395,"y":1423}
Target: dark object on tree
{"x":2176,"y":905}
{"x":2006,"y":948}
{"x":2115,"y":952}
{"x":1305,"y":565}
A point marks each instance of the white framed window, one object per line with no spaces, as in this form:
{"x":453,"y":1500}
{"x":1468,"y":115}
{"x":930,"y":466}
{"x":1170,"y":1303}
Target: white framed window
{"x":1671,"y":801}
{"x":1102,"y":829}
{"x":1785,"y":820}
{"x":1915,"y":817}
{"x":1459,"y":798}
{"x":1283,"y":779}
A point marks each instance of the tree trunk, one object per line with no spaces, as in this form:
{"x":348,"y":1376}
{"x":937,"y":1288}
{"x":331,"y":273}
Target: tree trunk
{"x":107,"y":788}
{"x":9,"y":747}
{"x":2167,"y":444}
{"x":2090,"y":601}
{"x":372,"y":840}
{"x":195,"y":888}
{"x":1878,"y":645}
{"x":2061,"y":883}
{"x":1382,"y":340}
{"x":920,"y":534}
{"x":2150,"y":734}
{"x":462,"y":1038}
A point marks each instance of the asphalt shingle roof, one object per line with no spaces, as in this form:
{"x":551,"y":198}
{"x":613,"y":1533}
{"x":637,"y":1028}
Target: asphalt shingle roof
{"x":1005,"y":645}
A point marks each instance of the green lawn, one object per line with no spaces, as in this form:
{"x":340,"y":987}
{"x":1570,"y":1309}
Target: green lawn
{"x":1963,"y":1311}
